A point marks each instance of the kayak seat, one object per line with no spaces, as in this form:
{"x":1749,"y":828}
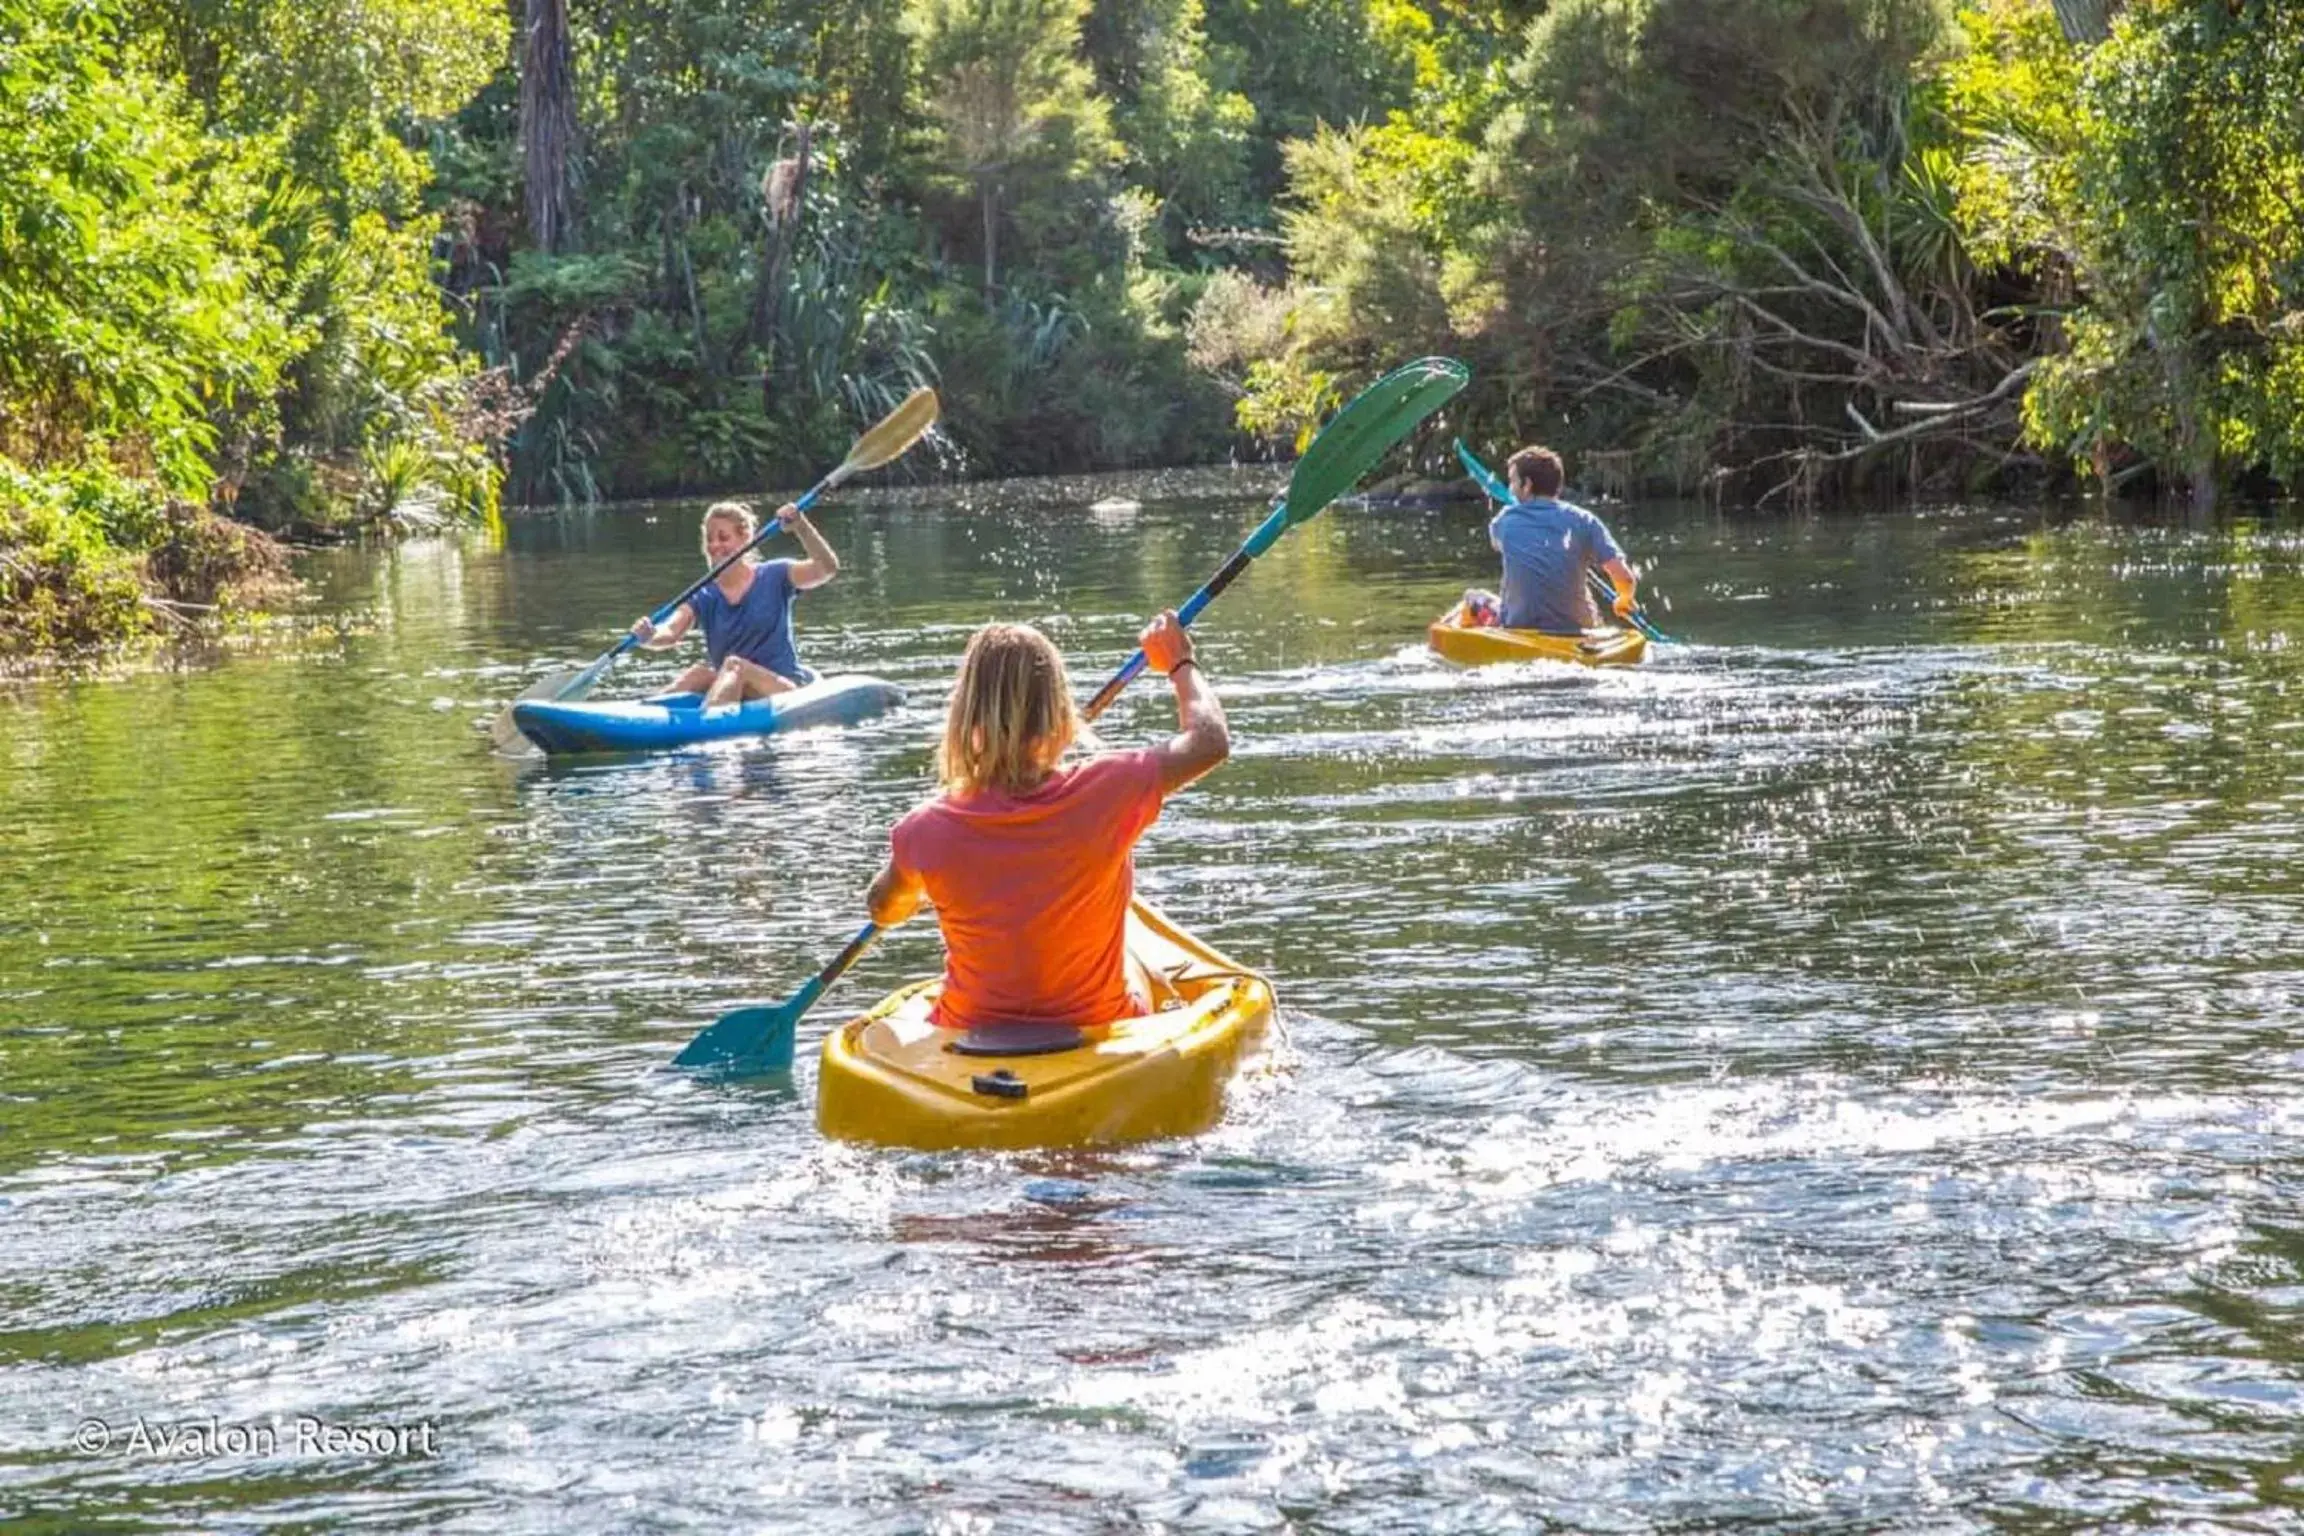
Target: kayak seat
{"x":1018,"y":1040}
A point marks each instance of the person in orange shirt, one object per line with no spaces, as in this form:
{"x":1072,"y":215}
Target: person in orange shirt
{"x":1029,"y":863}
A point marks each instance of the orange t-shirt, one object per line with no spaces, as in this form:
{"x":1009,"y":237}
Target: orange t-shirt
{"x":1032,"y":892}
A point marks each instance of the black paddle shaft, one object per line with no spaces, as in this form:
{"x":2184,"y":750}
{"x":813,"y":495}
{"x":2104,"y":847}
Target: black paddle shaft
{"x":1240,"y":561}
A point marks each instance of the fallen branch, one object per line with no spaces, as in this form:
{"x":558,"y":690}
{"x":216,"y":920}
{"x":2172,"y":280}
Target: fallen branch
{"x":1946,"y":415}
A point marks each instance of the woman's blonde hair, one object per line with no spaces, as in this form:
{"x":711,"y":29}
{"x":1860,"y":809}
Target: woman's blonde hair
{"x":1011,"y":715}
{"x":735,"y":512}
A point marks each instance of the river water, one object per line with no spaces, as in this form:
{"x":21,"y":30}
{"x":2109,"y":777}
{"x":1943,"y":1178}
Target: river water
{"x":1840,"y":1076}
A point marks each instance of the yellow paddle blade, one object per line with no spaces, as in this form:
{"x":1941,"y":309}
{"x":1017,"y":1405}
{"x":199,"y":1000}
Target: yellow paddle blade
{"x":558,"y":685}
{"x":892,"y":434}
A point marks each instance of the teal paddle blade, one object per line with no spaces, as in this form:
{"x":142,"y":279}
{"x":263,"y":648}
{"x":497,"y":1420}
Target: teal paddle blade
{"x":1482,"y":476}
{"x":750,"y":1039}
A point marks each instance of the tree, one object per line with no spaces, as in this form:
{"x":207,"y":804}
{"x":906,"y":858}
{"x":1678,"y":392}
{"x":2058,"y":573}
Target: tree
{"x":2153,"y":189}
{"x":2085,"y":21}
{"x":1728,"y":242}
{"x":1183,"y":128}
{"x":1011,"y":96}
{"x":548,"y":122}
{"x":1306,"y":64}
{"x":783,"y":193}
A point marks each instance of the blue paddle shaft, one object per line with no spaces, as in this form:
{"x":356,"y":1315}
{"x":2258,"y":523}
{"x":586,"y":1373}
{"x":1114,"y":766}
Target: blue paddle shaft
{"x":1258,"y":542}
{"x":1267,"y":533}
{"x":838,"y":968}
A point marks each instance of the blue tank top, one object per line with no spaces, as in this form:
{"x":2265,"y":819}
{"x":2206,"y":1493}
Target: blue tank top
{"x":759,"y":628}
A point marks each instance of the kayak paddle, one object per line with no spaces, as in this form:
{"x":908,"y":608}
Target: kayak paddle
{"x":761,"y":1039}
{"x":1500,"y":493}
{"x":886,"y":440}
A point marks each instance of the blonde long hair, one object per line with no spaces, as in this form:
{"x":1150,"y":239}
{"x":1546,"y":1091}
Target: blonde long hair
{"x":732,"y":511}
{"x":1011,"y":715}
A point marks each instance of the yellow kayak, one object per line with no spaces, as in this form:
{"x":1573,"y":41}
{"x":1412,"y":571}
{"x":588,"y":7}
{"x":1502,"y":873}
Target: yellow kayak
{"x":896,"y":1078}
{"x":1480,"y":645}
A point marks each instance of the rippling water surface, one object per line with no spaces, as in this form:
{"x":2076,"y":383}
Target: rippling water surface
{"x":1843,"y":1075}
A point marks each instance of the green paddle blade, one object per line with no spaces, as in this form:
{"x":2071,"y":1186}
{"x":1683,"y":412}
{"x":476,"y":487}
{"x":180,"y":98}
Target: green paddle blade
{"x":1377,"y":418}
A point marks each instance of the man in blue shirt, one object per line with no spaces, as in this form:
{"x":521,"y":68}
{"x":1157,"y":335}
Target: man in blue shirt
{"x":1548,"y":546}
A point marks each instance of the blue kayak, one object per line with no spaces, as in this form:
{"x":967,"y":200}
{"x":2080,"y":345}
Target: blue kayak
{"x":677,"y":719}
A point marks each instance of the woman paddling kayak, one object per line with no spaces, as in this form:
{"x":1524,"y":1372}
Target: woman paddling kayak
{"x":747,"y":613}
{"x":1029,"y":865}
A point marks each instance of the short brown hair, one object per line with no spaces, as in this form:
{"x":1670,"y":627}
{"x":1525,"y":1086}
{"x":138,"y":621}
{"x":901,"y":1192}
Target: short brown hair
{"x":1011,"y":714}
{"x":1539,"y":469}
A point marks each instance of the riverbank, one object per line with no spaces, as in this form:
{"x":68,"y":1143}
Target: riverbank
{"x":73,"y":589}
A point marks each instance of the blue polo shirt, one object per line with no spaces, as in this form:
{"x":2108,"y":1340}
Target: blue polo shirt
{"x":1548,"y":546}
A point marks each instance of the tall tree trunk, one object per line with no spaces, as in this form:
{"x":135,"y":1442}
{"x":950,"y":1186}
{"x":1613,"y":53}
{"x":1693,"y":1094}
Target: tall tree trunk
{"x":2085,"y":21}
{"x":548,"y":123}
{"x":783,"y":192}
{"x":2204,"y":484}
{"x":2197,"y":438}
{"x":991,"y":189}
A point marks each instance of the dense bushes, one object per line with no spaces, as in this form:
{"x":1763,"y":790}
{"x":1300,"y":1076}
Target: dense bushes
{"x":1777,"y":247}
{"x":215,"y":289}
{"x":328,"y":265}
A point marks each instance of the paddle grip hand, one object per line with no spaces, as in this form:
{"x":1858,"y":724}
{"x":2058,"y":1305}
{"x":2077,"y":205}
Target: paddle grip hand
{"x":654,"y":621}
{"x":1134,"y":666}
{"x":1167,"y":644}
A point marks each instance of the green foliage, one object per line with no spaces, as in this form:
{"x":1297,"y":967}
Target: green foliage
{"x":970,"y":217}
{"x":91,"y":557}
{"x":1776,"y":245}
{"x":1184,"y":127}
{"x":121,"y":309}
{"x":66,"y":583}
{"x":1305,"y":64}
{"x":302,"y":104}
{"x":1016,"y":111}
{"x":1692,"y":232}
{"x":2158,"y":180}
{"x":215,"y":282}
